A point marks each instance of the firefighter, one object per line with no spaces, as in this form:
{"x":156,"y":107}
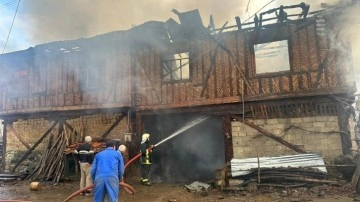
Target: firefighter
{"x":146,"y":150}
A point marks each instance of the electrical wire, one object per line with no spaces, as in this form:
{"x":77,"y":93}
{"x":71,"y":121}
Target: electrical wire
{"x":7,"y":39}
{"x":7,"y":4}
{"x":247,"y":8}
{"x":259,"y":10}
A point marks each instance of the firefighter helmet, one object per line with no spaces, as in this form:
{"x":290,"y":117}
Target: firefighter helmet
{"x":145,"y":137}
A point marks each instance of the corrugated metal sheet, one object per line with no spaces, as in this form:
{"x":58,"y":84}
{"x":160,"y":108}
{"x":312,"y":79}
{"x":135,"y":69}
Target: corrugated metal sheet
{"x":243,"y":166}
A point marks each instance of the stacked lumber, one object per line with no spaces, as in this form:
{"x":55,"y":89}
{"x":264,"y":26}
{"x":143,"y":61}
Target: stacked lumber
{"x":51,"y":165}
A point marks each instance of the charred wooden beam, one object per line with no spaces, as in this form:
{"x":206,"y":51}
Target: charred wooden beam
{"x":232,"y":58}
{"x":229,"y":152}
{"x":10,"y":127}
{"x":270,"y":135}
{"x":117,"y":121}
{"x":213,"y":59}
{"x":210,"y":71}
{"x":4,"y":145}
{"x":69,"y":126}
{"x":343,"y":119}
{"x":238,"y":22}
{"x":34,"y":146}
{"x":147,"y":76}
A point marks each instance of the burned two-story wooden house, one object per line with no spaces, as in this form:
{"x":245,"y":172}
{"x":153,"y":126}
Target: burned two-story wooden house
{"x":273,"y":86}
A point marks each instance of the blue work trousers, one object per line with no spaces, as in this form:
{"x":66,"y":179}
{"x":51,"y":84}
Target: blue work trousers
{"x":106,"y":185}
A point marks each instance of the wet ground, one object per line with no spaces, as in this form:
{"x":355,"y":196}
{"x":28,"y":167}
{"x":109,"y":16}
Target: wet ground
{"x":162,"y":192}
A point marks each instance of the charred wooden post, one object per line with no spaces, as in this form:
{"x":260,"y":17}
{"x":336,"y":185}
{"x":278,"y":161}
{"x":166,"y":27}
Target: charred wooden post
{"x":4,"y":142}
{"x":344,"y":130}
{"x":238,"y":22}
{"x":229,"y":153}
{"x":139,"y":126}
{"x":34,"y":146}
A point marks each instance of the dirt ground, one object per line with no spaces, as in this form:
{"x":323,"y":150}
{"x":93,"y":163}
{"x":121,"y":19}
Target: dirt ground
{"x":161,"y":192}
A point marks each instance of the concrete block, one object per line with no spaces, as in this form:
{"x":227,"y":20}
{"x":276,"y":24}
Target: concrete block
{"x":259,"y":121}
{"x":319,"y":124}
{"x":271,"y":121}
{"x":284,"y":121}
{"x":308,"y":119}
{"x":307,"y":125}
{"x":296,"y":120}
{"x":332,"y":119}
{"x":235,"y":123}
{"x":322,"y":118}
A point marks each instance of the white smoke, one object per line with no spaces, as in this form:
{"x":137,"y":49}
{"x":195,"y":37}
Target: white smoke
{"x":39,"y":21}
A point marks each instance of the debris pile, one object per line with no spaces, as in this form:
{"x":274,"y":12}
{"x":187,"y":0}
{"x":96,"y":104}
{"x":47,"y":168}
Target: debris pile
{"x":97,"y":147}
{"x":287,"y":177}
{"x":301,"y":170}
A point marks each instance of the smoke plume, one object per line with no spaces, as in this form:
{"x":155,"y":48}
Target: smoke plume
{"x":41,"y":21}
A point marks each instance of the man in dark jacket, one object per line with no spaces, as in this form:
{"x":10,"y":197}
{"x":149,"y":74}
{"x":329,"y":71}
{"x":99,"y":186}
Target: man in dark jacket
{"x":107,"y":170}
{"x":85,"y":155}
{"x":146,"y":150}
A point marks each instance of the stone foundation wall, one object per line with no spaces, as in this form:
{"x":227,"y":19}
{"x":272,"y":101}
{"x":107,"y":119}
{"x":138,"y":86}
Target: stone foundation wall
{"x":313,"y":134}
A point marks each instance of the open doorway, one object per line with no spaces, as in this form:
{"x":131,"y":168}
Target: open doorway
{"x":194,"y":154}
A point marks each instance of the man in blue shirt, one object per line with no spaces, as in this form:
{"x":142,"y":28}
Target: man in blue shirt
{"x":106,"y":171}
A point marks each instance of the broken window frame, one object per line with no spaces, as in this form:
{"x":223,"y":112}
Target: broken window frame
{"x":282,"y":70}
{"x":272,"y":33}
{"x":175,"y":74}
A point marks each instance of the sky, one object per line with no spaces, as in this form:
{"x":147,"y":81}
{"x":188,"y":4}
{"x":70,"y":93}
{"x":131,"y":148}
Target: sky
{"x":42,"y":21}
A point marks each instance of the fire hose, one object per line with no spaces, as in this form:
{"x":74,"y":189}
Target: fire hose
{"x":127,"y":187}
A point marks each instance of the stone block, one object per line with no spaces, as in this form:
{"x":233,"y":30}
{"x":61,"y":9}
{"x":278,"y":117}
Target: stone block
{"x":271,"y":121}
{"x":322,"y":118}
{"x":319,"y":124}
{"x":296,"y":120}
{"x":259,"y":121}
{"x":308,"y":119}
{"x":332,"y":119}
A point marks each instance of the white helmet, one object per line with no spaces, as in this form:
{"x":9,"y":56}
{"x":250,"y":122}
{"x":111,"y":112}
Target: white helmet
{"x":145,"y":137}
{"x":122,"y":148}
{"x":88,"y":139}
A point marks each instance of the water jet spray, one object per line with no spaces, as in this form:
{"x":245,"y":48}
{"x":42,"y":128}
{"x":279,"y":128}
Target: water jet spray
{"x":186,"y":127}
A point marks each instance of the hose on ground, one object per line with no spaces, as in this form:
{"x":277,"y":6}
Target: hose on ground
{"x":129,"y":189}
